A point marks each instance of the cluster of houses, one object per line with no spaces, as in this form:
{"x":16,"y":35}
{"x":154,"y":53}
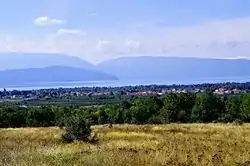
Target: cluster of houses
{"x":38,"y":95}
{"x":228,"y":91}
{"x":220,"y":91}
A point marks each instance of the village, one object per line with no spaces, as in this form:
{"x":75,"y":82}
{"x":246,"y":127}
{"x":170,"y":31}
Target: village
{"x":38,"y":94}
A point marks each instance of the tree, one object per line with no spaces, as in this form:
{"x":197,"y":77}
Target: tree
{"x":76,"y":128}
{"x":125,"y":105}
{"x":12,"y":117}
{"x":177,"y":107}
{"x":102,"y":116}
{"x":41,"y":117}
{"x":115,"y":114}
{"x":232,"y":109}
{"x":186,"y":103}
{"x":144,"y":108}
{"x":127,"y":116}
{"x":245,"y":108}
{"x":208,"y":107}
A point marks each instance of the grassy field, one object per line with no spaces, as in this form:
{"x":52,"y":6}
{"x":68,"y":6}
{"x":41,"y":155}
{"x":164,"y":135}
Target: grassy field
{"x":173,"y":144}
{"x":66,"y":101}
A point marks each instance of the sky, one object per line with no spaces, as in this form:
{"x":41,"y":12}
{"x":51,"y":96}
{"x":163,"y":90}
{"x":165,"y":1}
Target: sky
{"x":97,"y":30}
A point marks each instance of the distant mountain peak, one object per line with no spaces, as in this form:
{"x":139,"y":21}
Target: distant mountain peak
{"x":20,"y":60}
{"x":51,"y":74}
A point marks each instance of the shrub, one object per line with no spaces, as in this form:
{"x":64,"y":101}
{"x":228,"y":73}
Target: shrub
{"x":76,"y":128}
{"x":238,"y":122}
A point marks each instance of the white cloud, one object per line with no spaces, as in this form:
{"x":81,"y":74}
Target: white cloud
{"x":70,"y":31}
{"x":223,"y":39}
{"x":45,"y":20}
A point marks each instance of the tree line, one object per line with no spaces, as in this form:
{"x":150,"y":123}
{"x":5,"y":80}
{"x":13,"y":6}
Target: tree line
{"x":183,"y":107}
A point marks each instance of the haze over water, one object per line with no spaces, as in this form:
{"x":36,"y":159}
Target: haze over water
{"x":120,"y":83}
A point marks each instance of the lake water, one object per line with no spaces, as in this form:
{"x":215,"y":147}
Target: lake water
{"x":124,"y":83}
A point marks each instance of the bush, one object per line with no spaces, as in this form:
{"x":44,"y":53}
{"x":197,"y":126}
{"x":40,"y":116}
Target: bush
{"x":76,"y":129}
{"x":238,"y":122}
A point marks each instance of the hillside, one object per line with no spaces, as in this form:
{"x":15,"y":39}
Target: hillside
{"x":174,"y":68}
{"x":16,"y":60}
{"x":53,"y":74}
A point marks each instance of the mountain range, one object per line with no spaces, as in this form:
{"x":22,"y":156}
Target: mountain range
{"x":30,"y":68}
{"x":174,"y":68}
{"x":21,"y":69}
{"x":19,"y":60}
{"x":54,"y":74}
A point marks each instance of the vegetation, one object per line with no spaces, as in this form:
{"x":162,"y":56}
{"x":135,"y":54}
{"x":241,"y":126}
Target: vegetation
{"x":76,"y":129}
{"x":184,"y":108}
{"x":172,"y":144}
{"x":155,"y":140}
{"x":68,"y":100}
{"x":86,"y":96}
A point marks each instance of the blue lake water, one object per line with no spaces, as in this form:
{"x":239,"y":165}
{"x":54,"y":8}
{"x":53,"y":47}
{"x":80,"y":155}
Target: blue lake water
{"x":124,"y":83}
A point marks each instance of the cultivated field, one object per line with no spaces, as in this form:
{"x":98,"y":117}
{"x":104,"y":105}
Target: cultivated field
{"x":173,"y":144}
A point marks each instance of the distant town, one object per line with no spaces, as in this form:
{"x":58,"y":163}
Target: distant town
{"x":220,"y":88}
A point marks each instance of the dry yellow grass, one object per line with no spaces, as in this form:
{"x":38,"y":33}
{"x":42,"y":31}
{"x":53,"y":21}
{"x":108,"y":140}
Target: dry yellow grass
{"x":124,"y":145}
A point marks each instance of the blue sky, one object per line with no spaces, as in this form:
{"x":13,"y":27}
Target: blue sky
{"x":97,"y":30}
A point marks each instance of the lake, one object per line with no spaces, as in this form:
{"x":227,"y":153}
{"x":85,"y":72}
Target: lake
{"x":123,"y":83}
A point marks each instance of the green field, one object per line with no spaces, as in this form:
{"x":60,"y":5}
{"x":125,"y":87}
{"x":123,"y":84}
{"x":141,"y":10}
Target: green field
{"x":69,"y":101}
{"x":173,"y":144}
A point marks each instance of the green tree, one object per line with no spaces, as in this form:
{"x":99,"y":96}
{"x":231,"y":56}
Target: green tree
{"x":41,"y":117}
{"x":144,"y":108}
{"x":169,"y":112}
{"x":125,"y":105}
{"x":127,"y":116}
{"x":76,"y":128}
{"x":232,"y":109}
{"x":245,"y":108}
{"x":177,"y":107}
{"x":115,"y":114}
{"x":208,"y":107}
{"x":102,"y":116}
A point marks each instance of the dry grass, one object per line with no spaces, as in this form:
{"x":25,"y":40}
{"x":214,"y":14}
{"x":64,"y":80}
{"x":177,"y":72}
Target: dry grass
{"x":174,"y":144}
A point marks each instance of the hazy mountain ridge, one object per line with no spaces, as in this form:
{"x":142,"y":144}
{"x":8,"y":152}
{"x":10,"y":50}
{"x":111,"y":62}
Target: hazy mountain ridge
{"x":17,"y":60}
{"x":53,"y":74}
{"x":26,"y":68}
{"x":175,"y":68}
